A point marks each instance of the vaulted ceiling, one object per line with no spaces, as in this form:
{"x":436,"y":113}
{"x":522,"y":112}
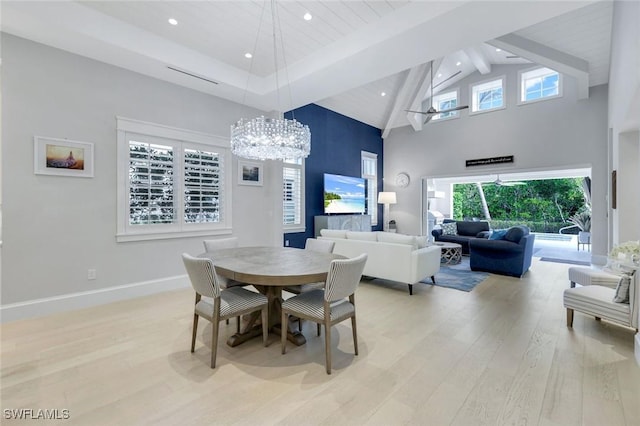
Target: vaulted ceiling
{"x":342,"y":59}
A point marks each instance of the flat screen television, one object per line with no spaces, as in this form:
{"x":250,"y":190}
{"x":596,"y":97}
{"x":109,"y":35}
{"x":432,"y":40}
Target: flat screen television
{"x":344,"y":194}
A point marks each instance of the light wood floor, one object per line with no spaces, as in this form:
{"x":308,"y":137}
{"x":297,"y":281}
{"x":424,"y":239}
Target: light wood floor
{"x":500,"y":354}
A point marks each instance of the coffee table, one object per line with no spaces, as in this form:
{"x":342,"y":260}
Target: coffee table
{"x":451,"y":253}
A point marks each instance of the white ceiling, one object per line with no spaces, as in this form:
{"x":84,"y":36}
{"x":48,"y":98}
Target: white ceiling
{"x":342,"y":59}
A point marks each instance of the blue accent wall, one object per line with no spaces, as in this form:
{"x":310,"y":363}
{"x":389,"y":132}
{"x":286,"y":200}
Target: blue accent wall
{"x":336,"y":145}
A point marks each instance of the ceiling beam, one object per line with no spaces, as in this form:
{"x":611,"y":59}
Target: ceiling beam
{"x":413,"y":82}
{"x":478,"y":59}
{"x":547,"y":57}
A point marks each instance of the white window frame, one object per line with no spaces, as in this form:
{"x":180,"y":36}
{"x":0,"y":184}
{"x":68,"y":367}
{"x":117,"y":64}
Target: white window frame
{"x":372,"y":184}
{"x":435,"y":102}
{"x":536,"y":72}
{"x":474,"y":102}
{"x":180,"y":139}
{"x":300,"y":225}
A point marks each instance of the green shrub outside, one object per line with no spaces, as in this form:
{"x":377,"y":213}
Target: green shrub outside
{"x":542,"y":205}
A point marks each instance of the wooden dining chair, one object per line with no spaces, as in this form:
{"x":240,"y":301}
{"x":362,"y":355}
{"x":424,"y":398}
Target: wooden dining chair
{"x":224,"y":243}
{"x":227,"y":303}
{"x":329,"y":306}
{"x":320,"y":246}
{"x":218,"y":244}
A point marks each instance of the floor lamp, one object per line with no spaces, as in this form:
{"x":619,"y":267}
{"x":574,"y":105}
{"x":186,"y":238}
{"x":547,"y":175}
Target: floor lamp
{"x":386,"y":198}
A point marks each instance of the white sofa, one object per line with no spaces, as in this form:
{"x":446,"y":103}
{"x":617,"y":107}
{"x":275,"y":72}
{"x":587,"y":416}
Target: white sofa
{"x":391,"y":256}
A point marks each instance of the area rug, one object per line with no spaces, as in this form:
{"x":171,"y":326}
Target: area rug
{"x":572,"y":262}
{"x":459,"y":277}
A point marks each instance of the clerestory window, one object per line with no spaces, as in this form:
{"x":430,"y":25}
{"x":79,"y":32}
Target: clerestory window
{"x":539,"y":84}
{"x":443,"y":102}
{"x":488,"y":96}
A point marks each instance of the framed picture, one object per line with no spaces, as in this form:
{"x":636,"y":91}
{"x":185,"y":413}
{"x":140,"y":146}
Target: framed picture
{"x":62,"y":157}
{"x":249,"y":173}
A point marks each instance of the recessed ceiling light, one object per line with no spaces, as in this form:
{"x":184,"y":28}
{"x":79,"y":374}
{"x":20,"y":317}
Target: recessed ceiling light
{"x":439,"y":75}
{"x":458,"y":63}
{"x":498,"y":49}
{"x":307,"y":16}
{"x":383,"y":93}
{"x":248,"y":55}
{"x":173,"y":21}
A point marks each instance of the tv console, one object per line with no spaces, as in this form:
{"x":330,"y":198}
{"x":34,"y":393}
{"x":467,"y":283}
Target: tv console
{"x":349,"y":222}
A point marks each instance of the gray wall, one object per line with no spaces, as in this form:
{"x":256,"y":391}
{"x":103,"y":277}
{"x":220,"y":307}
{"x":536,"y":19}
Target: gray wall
{"x":559,"y":133}
{"x":56,"y":228}
{"x":624,"y":120}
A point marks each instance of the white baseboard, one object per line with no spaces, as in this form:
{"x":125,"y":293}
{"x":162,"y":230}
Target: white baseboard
{"x":86,"y":299}
{"x":637,"y":348}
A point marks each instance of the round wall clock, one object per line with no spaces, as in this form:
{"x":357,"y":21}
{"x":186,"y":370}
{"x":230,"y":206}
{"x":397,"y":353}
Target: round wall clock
{"x":402,"y":180}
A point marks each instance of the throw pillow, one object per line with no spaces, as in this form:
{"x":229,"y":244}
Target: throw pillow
{"x":498,"y":234}
{"x":449,"y":228}
{"x":622,"y":290}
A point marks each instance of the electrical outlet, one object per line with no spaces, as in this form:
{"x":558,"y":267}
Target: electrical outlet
{"x":286,"y":243}
{"x":91,"y":274}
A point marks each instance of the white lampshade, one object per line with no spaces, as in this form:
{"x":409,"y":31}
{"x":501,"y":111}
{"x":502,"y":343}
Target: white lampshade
{"x":386,"y":198}
{"x":435,"y":194}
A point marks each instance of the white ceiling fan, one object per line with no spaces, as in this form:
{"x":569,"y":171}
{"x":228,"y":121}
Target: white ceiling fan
{"x":432,"y":111}
{"x":500,"y":182}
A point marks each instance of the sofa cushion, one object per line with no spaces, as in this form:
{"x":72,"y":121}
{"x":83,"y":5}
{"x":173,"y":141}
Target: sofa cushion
{"x":498,"y":234}
{"x":515,"y":234}
{"x":333,"y":233}
{"x":449,"y":228}
{"x":390,"y":237}
{"x":470,"y":228}
{"x":362,"y":236}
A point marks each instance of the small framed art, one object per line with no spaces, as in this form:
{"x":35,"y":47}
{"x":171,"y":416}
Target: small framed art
{"x":62,"y":157}
{"x":250,"y":173}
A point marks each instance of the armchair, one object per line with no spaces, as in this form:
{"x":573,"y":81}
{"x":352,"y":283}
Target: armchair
{"x":601,"y":302}
{"x":508,"y":256}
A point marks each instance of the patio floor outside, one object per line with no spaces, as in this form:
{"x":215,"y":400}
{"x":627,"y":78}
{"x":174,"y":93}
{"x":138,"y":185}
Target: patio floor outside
{"x":561,"y":247}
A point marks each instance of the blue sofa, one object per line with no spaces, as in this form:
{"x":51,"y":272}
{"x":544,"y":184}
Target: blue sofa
{"x":510,"y":255}
{"x":467,"y":230}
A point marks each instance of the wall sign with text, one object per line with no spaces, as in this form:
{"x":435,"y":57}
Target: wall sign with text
{"x":489,"y":161}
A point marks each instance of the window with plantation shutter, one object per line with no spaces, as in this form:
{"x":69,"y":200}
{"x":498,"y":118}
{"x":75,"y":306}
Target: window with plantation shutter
{"x":292,"y":196}
{"x":172,"y":183}
{"x":151,"y":184}
{"x":370,"y":173}
{"x":203,"y":181}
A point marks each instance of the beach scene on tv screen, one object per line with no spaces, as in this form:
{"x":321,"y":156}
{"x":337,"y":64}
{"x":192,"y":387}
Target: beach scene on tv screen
{"x":343,"y":194}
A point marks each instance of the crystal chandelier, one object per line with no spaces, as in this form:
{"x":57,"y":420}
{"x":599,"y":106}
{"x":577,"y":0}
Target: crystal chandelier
{"x":271,"y":138}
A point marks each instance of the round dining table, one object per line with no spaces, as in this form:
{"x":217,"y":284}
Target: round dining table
{"x":269,"y":269}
